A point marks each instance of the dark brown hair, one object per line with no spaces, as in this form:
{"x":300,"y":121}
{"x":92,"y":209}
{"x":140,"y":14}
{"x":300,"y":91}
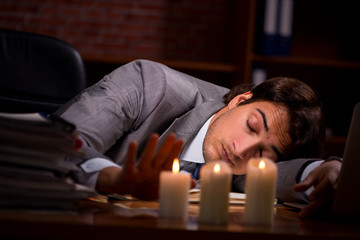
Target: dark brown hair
{"x":306,"y":124}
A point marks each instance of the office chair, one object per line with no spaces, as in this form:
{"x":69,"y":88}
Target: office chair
{"x":38,"y":73}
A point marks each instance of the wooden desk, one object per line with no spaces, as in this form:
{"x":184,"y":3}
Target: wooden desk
{"x":139,"y":220}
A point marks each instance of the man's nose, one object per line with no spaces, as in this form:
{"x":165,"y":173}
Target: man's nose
{"x":246,"y":148}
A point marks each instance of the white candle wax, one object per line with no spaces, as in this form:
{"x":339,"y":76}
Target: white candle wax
{"x":215,"y":183}
{"x":260,"y":189}
{"x":174,"y":189}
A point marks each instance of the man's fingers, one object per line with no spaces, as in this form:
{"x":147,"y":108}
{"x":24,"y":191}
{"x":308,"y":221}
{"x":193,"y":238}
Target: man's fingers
{"x":305,"y":184}
{"x":148,"y":153}
{"x":167,"y":152}
{"x":321,"y":190}
{"x":164,"y":151}
{"x":167,"y":164}
{"x":130,"y":156}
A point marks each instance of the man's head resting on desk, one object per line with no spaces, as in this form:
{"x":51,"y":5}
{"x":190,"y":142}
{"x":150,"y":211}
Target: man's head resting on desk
{"x":280,"y":119}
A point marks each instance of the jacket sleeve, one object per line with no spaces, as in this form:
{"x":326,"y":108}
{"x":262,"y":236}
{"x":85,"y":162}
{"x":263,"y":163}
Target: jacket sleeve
{"x":104,"y":111}
{"x":132,"y":102}
{"x":289,"y":173}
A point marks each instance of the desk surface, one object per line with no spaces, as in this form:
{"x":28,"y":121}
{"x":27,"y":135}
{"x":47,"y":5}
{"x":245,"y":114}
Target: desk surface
{"x":139,"y":220}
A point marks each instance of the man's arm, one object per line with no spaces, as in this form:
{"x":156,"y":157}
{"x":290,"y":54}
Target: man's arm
{"x":289,"y":174}
{"x":324,"y":179}
{"x":142,"y":179}
{"x":139,"y":179}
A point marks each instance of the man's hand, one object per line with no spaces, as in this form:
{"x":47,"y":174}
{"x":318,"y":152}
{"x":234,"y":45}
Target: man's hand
{"x":142,"y":179}
{"x":324,"y":179}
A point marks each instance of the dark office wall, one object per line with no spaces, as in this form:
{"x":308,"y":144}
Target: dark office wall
{"x":164,"y":29}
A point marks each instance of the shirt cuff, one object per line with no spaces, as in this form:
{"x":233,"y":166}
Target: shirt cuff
{"x":309,"y":168}
{"x":92,"y":167}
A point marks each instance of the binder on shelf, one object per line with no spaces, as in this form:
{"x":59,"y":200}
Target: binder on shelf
{"x":285,"y":27}
{"x":270,"y":27}
{"x":277,"y":27}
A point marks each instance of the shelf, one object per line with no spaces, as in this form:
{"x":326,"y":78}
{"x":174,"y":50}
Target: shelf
{"x":223,"y":74}
{"x":176,"y":64}
{"x":307,"y":61}
{"x":336,"y":140}
{"x":334,"y":146}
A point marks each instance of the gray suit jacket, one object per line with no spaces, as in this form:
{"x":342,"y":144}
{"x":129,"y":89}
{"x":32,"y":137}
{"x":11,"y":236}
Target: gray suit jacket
{"x":144,"y":97}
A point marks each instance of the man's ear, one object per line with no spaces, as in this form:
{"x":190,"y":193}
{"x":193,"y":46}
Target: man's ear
{"x":239,"y":98}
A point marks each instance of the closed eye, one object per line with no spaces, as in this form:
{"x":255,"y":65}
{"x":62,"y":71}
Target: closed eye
{"x":249,"y":126}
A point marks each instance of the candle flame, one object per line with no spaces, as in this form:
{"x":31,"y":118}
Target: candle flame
{"x":262,"y":164}
{"x":217,"y":168}
{"x":176,"y":166}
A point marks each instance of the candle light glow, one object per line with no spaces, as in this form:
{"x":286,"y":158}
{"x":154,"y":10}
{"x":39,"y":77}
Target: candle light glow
{"x":176,"y":166}
{"x":217,"y":168}
{"x":262,"y":164}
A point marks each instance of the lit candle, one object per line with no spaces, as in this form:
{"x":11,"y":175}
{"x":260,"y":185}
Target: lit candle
{"x":215,"y":183}
{"x":174,"y":189}
{"x":260,"y":189}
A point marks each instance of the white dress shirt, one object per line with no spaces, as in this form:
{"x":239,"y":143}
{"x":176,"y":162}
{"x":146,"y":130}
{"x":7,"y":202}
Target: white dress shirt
{"x":194,"y":151}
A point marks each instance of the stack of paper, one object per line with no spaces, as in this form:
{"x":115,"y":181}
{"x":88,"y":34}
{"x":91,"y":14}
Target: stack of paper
{"x":34,"y":162}
{"x":234,"y":197}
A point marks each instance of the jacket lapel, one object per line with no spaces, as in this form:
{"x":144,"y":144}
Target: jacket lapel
{"x":189,"y":124}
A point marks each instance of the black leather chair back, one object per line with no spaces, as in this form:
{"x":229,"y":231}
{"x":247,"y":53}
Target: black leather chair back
{"x":38,"y":73}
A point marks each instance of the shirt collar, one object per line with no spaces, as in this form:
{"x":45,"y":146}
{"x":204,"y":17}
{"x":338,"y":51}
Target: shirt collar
{"x":193,"y":152}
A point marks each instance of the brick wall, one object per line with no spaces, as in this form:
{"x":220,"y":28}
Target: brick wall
{"x":163,"y":29}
